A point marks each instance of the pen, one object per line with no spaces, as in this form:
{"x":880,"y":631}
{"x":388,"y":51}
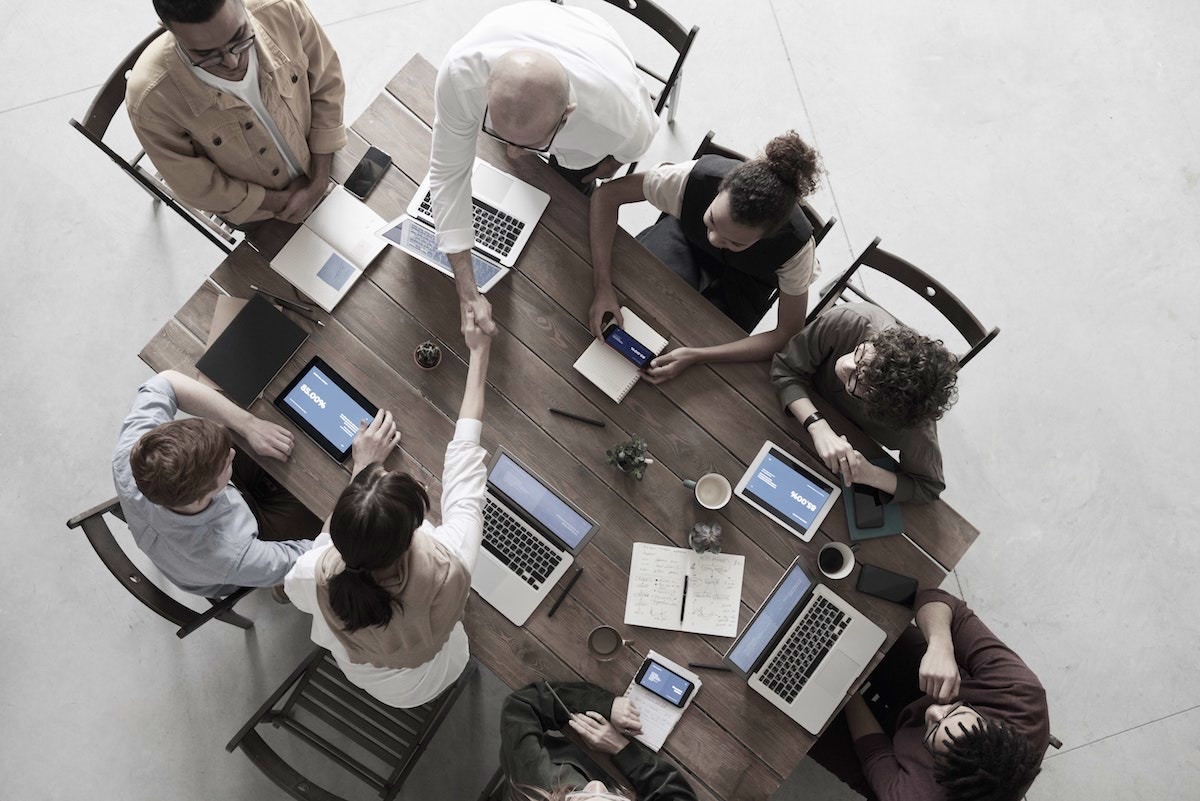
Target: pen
{"x":291,"y":304}
{"x":703,"y":666}
{"x":563,"y":597}
{"x":588,"y":420}
{"x":683,"y":603}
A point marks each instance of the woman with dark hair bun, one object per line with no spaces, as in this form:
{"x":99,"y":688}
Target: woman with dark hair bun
{"x":733,"y":230}
{"x":387,"y":588}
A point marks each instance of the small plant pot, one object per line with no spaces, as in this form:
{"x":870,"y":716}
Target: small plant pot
{"x":705,"y":538}
{"x":427,"y":355}
{"x":630,"y":457}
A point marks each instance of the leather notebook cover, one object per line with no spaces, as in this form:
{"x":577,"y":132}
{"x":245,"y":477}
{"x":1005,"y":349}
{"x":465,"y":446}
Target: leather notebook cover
{"x":251,"y":351}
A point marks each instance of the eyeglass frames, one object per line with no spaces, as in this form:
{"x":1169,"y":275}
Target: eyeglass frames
{"x":487,"y":129}
{"x":235,"y":49}
{"x":852,"y":383}
{"x":957,"y":709}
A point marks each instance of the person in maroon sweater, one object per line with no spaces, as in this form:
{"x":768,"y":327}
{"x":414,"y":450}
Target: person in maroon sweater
{"x":960,"y":716}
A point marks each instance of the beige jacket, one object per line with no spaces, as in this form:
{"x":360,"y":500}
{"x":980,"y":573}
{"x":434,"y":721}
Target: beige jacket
{"x":210,"y":147}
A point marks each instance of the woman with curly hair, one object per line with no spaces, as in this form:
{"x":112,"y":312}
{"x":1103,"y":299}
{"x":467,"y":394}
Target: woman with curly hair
{"x":893,"y":382}
{"x":733,"y":230}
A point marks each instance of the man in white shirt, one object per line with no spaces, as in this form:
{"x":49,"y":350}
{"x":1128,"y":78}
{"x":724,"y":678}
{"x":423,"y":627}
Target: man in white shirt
{"x":541,"y":78}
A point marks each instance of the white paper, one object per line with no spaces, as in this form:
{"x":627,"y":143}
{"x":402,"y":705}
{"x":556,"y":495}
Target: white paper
{"x":656,"y":596}
{"x":611,"y":371}
{"x":659,"y":717}
{"x":300,"y":262}
{"x":349,"y":227}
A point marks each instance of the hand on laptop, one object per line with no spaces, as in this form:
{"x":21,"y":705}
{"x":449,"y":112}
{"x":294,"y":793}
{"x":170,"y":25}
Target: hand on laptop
{"x":268,"y":439}
{"x":598,"y":733}
{"x":665,"y":367}
{"x":625,"y":716}
{"x":375,"y":440}
{"x":938,"y":675}
{"x":604,"y":303}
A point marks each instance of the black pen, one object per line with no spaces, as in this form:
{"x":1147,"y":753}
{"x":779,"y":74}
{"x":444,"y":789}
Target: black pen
{"x":588,"y":420}
{"x":291,"y":304}
{"x":703,"y":666}
{"x":683,"y":603}
{"x":563,"y":597}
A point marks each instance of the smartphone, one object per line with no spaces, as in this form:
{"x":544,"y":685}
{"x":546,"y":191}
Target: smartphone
{"x":618,"y":339}
{"x":367,"y":173}
{"x":868,"y":509}
{"x":666,"y":684}
{"x":887,"y":585}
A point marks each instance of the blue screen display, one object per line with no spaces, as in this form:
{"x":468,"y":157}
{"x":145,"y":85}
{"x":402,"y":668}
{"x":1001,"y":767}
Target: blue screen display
{"x":619,"y":339}
{"x":780,"y":485}
{"x":327,"y":408}
{"x":539,"y":502}
{"x":773,"y":616}
{"x":665,"y":684}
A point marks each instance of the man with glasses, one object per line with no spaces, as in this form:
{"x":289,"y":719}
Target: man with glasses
{"x":894,"y":383}
{"x":960,"y":716}
{"x":239,"y":106}
{"x":542,"y":79}
{"x":539,"y":764}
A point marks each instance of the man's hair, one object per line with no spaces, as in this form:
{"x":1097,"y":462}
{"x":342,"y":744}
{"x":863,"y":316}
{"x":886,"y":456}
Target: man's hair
{"x":763,"y":191}
{"x":179,"y":462}
{"x":187,"y":11}
{"x":988,"y":763}
{"x":910,"y":381}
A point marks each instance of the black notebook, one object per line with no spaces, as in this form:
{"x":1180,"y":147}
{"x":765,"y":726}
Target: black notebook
{"x":249,"y":353}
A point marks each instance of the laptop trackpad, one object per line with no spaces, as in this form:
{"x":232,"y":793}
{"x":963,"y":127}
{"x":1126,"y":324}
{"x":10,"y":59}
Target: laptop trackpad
{"x":837,"y":673}
{"x":490,"y":185}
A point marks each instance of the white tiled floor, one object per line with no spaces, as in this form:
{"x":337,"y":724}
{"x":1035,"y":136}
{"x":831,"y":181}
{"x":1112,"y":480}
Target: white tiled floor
{"x":1038,"y":157}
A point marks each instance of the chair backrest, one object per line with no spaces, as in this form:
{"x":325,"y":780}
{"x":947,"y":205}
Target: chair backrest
{"x":112,"y":92}
{"x":317,"y":702}
{"x":135,"y":582}
{"x":820,"y":227}
{"x":921,"y":283}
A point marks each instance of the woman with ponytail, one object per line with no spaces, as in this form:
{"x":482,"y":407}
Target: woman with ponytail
{"x":386,"y":587}
{"x":733,"y":230}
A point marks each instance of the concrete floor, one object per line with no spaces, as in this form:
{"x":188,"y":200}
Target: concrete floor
{"x":1040,"y":158}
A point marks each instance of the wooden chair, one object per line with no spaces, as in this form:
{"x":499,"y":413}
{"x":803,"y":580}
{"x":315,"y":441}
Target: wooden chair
{"x":329,"y":704}
{"x":118,"y":563}
{"x":820,"y":227}
{"x":95,"y":125}
{"x":920,"y":282}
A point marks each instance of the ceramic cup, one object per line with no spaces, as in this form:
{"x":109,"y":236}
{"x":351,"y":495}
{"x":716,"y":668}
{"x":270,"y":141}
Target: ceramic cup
{"x":835,"y":560}
{"x":605,"y":641}
{"x":712,"y":490}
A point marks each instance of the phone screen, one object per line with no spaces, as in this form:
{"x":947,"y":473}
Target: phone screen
{"x":887,"y":585}
{"x":619,"y":339}
{"x":664,"y":683}
{"x":367,"y":173}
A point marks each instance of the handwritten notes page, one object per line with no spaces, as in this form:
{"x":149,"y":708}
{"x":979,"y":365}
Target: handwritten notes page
{"x":656,"y":595}
{"x":659,"y":717}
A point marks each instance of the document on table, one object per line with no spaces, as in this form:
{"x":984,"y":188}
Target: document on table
{"x":681,"y":590}
{"x":659,"y":716}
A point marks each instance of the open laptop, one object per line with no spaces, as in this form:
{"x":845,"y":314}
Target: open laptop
{"x":804,"y":648}
{"x":531,"y":535}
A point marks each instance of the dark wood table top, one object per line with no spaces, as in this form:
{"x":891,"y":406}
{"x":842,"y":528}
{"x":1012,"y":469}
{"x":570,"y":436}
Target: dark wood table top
{"x":732,"y":743}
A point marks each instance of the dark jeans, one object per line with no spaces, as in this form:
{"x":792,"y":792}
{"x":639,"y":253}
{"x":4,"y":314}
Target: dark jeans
{"x":892,"y":686}
{"x":280,"y":515}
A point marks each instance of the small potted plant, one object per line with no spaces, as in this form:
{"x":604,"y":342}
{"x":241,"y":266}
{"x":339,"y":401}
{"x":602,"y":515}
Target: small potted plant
{"x":427,"y":355}
{"x":705,"y":538}
{"x":630,"y":457}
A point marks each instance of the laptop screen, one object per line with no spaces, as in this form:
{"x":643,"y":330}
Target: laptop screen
{"x":787,"y":488}
{"x":773,"y":616}
{"x":539,"y":502}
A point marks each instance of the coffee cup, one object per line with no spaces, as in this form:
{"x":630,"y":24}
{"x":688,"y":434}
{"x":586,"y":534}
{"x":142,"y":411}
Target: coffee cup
{"x":605,"y":641}
{"x":835,"y":560}
{"x":712,"y":490}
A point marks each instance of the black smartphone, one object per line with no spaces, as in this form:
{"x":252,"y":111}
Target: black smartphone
{"x":620,"y":341}
{"x":887,"y":585}
{"x":368,"y":172}
{"x":665,"y":683}
{"x":868,"y":509}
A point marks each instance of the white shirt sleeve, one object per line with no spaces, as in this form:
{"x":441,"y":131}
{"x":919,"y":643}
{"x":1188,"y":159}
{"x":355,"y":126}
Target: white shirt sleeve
{"x":464,"y":484}
{"x":455,"y":130}
{"x":800,"y":271}
{"x":300,"y":583}
{"x":664,"y":187}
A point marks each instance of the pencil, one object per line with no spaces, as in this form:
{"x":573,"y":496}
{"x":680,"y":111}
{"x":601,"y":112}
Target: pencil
{"x":703,"y":666}
{"x":588,"y":420}
{"x":561,"y":598}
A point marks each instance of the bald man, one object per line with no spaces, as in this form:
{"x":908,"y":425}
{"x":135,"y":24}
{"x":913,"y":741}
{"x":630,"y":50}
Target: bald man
{"x":541,"y":78}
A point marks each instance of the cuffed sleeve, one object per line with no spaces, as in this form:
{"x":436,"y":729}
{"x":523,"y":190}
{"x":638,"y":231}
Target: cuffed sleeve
{"x":327,"y":87}
{"x":800,"y":271}
{"x":664,"y":187}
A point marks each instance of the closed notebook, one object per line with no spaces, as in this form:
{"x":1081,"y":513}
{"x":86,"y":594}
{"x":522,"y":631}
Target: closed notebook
{"x":251,"y":351}
{"x":611,"y":371}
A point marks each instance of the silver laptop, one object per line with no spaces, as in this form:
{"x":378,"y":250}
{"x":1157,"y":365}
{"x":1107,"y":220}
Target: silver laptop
{"x":531,"y":535}
{"x":418,"y":239}
{"x":804,"y":648}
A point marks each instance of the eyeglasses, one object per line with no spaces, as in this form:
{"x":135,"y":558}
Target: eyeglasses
{"x":852,"y":384}
{"x":235,"y":49}
{"x":487,"y":129}
{"x":957,"y":709}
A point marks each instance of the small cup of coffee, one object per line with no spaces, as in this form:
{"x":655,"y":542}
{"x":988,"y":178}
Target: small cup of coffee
{"x":712,"y":490}
{"x":835,"y":560}
{"x":605,"y":641}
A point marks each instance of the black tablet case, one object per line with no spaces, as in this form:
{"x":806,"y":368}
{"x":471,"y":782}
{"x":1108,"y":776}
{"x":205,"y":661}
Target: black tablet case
{"x":251,"y":351}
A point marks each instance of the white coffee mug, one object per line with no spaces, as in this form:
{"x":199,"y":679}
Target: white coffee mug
{"x":712,"y":490}
{"x":844,"y":557}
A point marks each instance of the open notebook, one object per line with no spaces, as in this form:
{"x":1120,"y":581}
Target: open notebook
{"x":611,"y":371}
{"x":331,"y":249}
{"x":658,"y":716}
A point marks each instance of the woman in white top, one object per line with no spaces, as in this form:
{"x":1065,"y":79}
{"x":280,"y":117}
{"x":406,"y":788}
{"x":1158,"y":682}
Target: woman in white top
{"x":387,"y":589}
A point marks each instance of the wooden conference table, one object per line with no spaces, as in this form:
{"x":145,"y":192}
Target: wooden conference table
{"x":731,"y":742}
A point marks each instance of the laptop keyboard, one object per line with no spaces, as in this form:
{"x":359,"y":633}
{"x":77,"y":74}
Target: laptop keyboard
{"x":424,"y":241}
{"x":494,"y":229}
{"x":514,"y":545}
{"x":805,"y":647}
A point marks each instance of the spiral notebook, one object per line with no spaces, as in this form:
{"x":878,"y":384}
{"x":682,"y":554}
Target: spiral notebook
{"x":611,"y":371}
{"x":658,"y":716}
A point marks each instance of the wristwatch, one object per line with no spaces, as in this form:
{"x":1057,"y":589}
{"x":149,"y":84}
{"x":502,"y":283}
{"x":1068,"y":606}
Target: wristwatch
{"x":812,"y":418}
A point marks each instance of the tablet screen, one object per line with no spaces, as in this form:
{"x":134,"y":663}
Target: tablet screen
{"x":317,"y":398}
{"x":787,"y":489}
